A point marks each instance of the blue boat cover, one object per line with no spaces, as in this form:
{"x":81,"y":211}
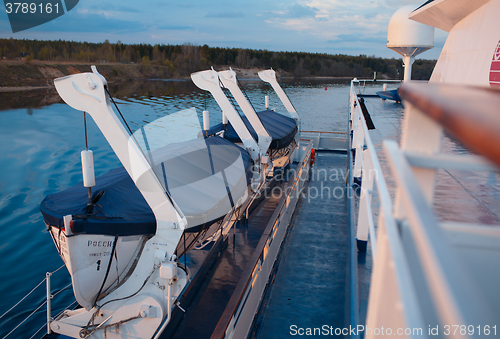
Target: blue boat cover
{"x":122,"y":210}
{"x":281,"y":128}
{"x":390,"y":95}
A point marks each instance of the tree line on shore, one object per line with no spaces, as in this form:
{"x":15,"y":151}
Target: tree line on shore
{"x":181,"y":60}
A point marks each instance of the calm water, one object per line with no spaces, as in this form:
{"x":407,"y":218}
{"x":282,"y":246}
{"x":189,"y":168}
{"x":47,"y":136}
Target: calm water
{"x":40,"y":143}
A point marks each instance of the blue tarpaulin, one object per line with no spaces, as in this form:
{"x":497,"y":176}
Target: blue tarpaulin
{"x":122,"y":209}
{"x":281,"y":128}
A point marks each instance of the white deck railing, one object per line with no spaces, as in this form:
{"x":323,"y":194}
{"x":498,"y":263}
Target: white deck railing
{"x":36,"y":291}
{"x":422,"y":281}
{"x":390,"y":268}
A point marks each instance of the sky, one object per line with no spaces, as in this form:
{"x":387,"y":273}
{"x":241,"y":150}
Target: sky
{"x":318,"y":26}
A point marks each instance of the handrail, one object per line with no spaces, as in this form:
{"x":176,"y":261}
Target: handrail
{"x":353,"y":305}
{"x":25,"y":319}
{"x":368,"y":168}
{"x":415,"y":254}
{"x":23,"y":298}
{"x":45,"y":280}
{"x":324,"y":132}
{"x":446,"y":279}
{"x":362,"y":141}
{"x":456,"y":109}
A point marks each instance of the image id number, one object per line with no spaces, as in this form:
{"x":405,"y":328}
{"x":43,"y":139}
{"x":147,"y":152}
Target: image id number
{"x":25,"y":8}
{"x":470,"y":330}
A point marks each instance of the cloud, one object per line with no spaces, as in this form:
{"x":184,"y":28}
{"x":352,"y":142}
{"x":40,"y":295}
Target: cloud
{"x":301,"y":11}
{"x":104,"y":6}
{"x":93,"y":23}
{"x":294,"y":11}
{"x":111,"y":11}
{"x":356,"y":38}
{"x":400,"y":3}
{"x":327,"y":20}
{"x":227,"y":15}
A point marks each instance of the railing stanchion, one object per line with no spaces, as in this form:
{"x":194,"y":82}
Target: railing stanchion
{"x":49,"y":296}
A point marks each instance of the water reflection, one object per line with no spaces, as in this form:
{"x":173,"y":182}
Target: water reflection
{"x":28,"y":99}
{"x":156,"y":88}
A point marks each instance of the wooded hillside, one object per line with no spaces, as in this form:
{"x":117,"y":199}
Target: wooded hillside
{"x":181,"y":60}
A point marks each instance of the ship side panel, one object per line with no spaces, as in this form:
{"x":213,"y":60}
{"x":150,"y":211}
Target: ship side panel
{"x":468,"y":54}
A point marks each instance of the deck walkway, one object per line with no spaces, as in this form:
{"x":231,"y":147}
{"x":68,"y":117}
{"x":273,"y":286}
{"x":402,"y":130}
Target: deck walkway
{"x":307,"y":289}
{"x":219,"y":283}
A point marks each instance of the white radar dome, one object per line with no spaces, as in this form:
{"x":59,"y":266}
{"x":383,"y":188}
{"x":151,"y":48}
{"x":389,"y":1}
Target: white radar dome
{"x":408,"y":37}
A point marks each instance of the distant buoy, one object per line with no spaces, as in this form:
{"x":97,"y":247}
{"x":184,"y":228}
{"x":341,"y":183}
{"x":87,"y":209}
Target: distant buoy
{"x":326,"y":88}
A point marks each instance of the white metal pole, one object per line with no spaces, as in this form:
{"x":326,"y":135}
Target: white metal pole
{"x":49,"y":297}
{"x":169,"y":311}
{"x":267,"y":101}
{"x":408,"y":61}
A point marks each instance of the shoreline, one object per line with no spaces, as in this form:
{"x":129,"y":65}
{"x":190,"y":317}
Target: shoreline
{"x":5,"y":89}
{"x":21,"y":76}
{"x":24,"y":88}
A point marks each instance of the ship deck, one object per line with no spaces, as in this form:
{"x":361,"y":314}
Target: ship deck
{"x":224,"y":266}
{"x":307,"y":288}
{"x":214,"y":286}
